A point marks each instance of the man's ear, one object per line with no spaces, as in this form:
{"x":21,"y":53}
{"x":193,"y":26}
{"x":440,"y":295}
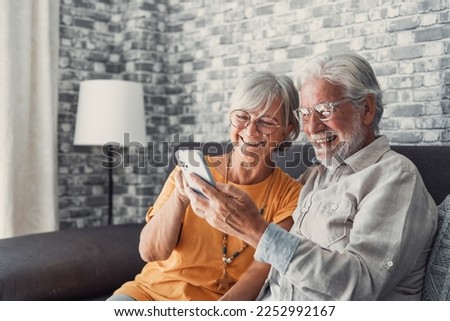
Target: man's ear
{"x":370,"y":110}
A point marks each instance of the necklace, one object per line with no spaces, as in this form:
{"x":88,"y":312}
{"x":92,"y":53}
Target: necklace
{"x":225,"y":282}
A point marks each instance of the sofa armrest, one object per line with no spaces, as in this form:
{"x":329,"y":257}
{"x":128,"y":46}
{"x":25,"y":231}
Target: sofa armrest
{"x":73,"y":264}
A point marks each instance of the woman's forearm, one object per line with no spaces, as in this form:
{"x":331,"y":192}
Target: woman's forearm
{"x":160,"y":235}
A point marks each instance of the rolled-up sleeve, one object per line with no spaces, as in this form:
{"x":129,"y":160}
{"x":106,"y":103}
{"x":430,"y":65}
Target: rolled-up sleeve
{"x":277,"y":246}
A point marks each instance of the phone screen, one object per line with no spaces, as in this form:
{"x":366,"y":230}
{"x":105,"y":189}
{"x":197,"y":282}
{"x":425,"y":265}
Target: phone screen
{"x":192,"y":161}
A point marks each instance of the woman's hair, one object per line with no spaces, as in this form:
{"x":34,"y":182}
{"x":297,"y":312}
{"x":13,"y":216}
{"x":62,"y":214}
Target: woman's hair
{"x":351,"y":72}
{"x":263,"y":89}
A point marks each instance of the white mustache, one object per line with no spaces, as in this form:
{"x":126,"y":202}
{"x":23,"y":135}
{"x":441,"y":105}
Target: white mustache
{"x":323,"y":136}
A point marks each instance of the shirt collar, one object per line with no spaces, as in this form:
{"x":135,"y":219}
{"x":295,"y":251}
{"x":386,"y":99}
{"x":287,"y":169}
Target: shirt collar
{"x":368,"y":155}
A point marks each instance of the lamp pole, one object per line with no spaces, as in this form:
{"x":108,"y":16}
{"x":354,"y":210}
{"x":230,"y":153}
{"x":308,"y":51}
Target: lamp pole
{"x":111,"y":185}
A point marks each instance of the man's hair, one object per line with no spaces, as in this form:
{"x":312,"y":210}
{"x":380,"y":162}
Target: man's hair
{"x":351,"y":72}
{"x":262,"y":89}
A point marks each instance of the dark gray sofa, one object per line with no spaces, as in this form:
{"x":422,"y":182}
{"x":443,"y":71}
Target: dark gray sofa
{"x":88,"y":264}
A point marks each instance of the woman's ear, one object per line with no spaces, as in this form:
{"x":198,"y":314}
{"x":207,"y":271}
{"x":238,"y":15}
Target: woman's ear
{"x":287,"y":132}
{"x":289,"y":129}
{"x":370,"y":110}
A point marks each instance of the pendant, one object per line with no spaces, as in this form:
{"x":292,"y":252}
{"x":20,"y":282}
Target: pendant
{"x":225,"y":282}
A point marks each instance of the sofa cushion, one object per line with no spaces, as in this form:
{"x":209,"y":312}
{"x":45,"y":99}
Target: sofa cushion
{"x":74,"y":264}
{"x":432,"y":165}
{"x":437,"y":279}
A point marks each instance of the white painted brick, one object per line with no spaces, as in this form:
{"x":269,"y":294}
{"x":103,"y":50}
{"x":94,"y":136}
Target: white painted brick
{"x":405,"y":37}
{"x":231,"y":5}
{"x":320,"y":47}
{"x":244,"y":58}
{"x":188,"y":67}
{"x":406,"y":67}
{"x":280,"y":7}
{"x":119,"y":37}
{"x":433,"y":49}
{"x":114,"y":58}
{"x":162,"y":26}
{"x":271,"y":33}
{"x":280,"y":55}
{"x":431,"y":79}
{"x":383,"y":54}
{"x":384,"y":82}
{"x":303,"y":14}
{"x":357,"y":44}
{"x":99,"y":67}
{"x":247,"y":37}
{"x":393,"y":11}
{"x":64,"y":62}
{"x":433,"y":108}
{"x":160,"y":48}
{"x":431,"y":136}
{"x":249,"y":12}
{"x":216,"y":106}
{"x":405,"y":95}
{"x":427,"y":94}
{"x":431,"y":123}
{"x":129,"y":66}
{"x":189,"y":25}
{"x":116,"y":18}
{"x":429,"y":19}
{"x":407,"y":123}
{"x":297,"y":39}
{"x":408,"y":8}
{"x":218,"y":19}
{"x":361,"y":17}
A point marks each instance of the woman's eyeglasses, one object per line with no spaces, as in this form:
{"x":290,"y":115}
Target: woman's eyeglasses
{"x":324,"y":111}
{"x":241,"y":119}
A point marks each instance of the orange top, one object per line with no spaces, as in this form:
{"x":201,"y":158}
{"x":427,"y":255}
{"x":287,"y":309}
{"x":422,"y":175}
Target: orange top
{"x":196,"y":262}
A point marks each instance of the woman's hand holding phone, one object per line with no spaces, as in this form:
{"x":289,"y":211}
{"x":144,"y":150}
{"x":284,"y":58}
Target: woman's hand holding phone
{"x":192,"y":161}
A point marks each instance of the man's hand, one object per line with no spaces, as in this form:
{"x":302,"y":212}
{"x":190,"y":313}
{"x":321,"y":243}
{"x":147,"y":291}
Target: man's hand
{"x":228,"y":209}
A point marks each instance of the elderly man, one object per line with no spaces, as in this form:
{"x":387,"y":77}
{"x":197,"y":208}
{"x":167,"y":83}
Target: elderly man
{"x":364,"y":223}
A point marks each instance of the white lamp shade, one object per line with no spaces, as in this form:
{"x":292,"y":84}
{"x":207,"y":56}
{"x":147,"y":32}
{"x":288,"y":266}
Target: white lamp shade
{"x":109,"y":109}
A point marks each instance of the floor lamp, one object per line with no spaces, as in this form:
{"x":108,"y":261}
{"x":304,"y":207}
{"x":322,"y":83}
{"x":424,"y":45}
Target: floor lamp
{"x":108,"y":110}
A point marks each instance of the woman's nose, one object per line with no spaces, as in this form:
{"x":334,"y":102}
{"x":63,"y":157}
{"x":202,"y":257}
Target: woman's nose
{"x":252,"y":128}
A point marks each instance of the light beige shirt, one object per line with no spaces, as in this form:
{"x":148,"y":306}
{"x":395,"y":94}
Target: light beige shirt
{"x":362,"y":233}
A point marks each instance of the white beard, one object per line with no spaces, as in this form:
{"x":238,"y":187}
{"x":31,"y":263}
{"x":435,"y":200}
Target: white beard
{"x":347,"y":146}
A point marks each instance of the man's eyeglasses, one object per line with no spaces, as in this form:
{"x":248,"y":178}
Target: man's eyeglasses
{"x":324,"y":111}
{"x":241,"y":119}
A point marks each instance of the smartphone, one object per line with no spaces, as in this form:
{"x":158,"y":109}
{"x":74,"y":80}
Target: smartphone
{"x":192,"y":161}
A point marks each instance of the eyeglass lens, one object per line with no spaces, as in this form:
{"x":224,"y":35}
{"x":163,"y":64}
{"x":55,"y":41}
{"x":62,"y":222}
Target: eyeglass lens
{"x":241,"y":119}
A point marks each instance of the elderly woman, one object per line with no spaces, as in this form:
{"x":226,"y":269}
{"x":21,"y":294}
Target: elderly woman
{"x":187,"y":258}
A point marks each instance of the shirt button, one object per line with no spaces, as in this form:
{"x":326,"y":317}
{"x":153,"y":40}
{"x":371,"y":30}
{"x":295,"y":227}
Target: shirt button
{"x":389,"y":263}
{"x":304,"y":210}
{"x":334,"y":207}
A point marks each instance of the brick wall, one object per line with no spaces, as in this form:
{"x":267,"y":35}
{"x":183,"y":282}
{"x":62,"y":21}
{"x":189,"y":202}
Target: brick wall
{"x":110,"y":39}
{"x":190,"y":54}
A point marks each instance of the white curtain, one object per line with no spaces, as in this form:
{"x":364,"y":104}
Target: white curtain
{"x":29,"y":44}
